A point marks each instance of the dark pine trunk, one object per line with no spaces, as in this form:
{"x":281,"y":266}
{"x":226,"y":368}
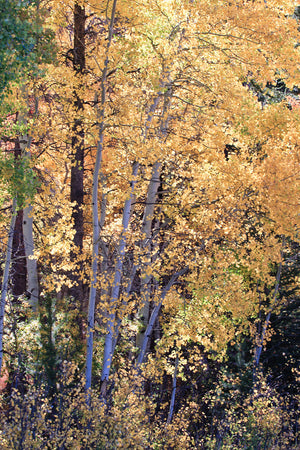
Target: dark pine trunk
{"x":77,"y":180}
{"x":18,"y":268}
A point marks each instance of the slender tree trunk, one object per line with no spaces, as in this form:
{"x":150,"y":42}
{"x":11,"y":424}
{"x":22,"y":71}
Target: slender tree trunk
{"x":31,"y":263}
{"x":113,"y":323}
{"x":96,"y":228}
{"x":146,"y":248}
{"x":32,"y":273}
{"x":4,"y":287}
{"x":148,"y":220}
{"x":174,"y":386}
{"x":108,"y":346}
{"x":18,"y":269}
{"x":95,"y":255}
{"x":77,"y":169}
{"x":154,"y":315}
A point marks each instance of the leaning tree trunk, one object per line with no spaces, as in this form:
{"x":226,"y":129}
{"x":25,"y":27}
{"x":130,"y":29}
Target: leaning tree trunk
{"x":114,"y":324}
{"x":111,"y":325}
{"x":154,"y":184}
{"x":154,"y":315}
{"x":146,"y":248}
{"x":174,"y":386}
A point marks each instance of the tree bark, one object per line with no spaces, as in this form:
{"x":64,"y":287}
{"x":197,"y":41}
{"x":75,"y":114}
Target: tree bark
{"x":146,"y":247}
{"x":108,"y":346}
{"x":31,"y":263}
{"x":154,"y":315}
{"x":32,"y":273}
{"x":77,"y":166}
{"x":18,"y":269}
{"x":4,"y":287}
{"x":95,"y":210}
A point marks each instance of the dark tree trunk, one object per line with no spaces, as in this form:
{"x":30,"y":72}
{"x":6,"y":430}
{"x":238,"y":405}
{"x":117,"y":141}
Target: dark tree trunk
{"x":18,"y":267}
{"x":77,"y":191}
{"x":77,"y":180}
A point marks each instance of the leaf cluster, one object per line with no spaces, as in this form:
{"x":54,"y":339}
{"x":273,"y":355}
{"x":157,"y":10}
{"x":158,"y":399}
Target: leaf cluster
{"x":24,"y":43}
{"x":18,"y":179}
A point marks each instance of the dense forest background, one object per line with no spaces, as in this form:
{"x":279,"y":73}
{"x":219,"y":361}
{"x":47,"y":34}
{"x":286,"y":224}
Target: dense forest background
{"x":149,"y":224}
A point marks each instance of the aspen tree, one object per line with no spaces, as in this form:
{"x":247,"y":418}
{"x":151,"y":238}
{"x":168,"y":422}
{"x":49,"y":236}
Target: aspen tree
{"x":205,"y":55}
{"x":22,"y":41}
{"x":31,"y":262}
{"x":94,"y":271}
{"x":32,"y":282}
{"x":190,"y":234}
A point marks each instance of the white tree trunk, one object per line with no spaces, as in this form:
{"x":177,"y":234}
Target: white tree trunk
{"x":146,"y":247}
{"x":154,"y":316}
{"x":31,"y":262}
{"x":109,"y":338}
{"x":96,"y":228}
{"x":147,"y":223}
{"x":112,"y":326}
{"x":93,"y":287}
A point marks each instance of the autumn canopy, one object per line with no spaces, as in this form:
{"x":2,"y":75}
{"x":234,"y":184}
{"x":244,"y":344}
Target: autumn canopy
{"x":149,"y":224}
